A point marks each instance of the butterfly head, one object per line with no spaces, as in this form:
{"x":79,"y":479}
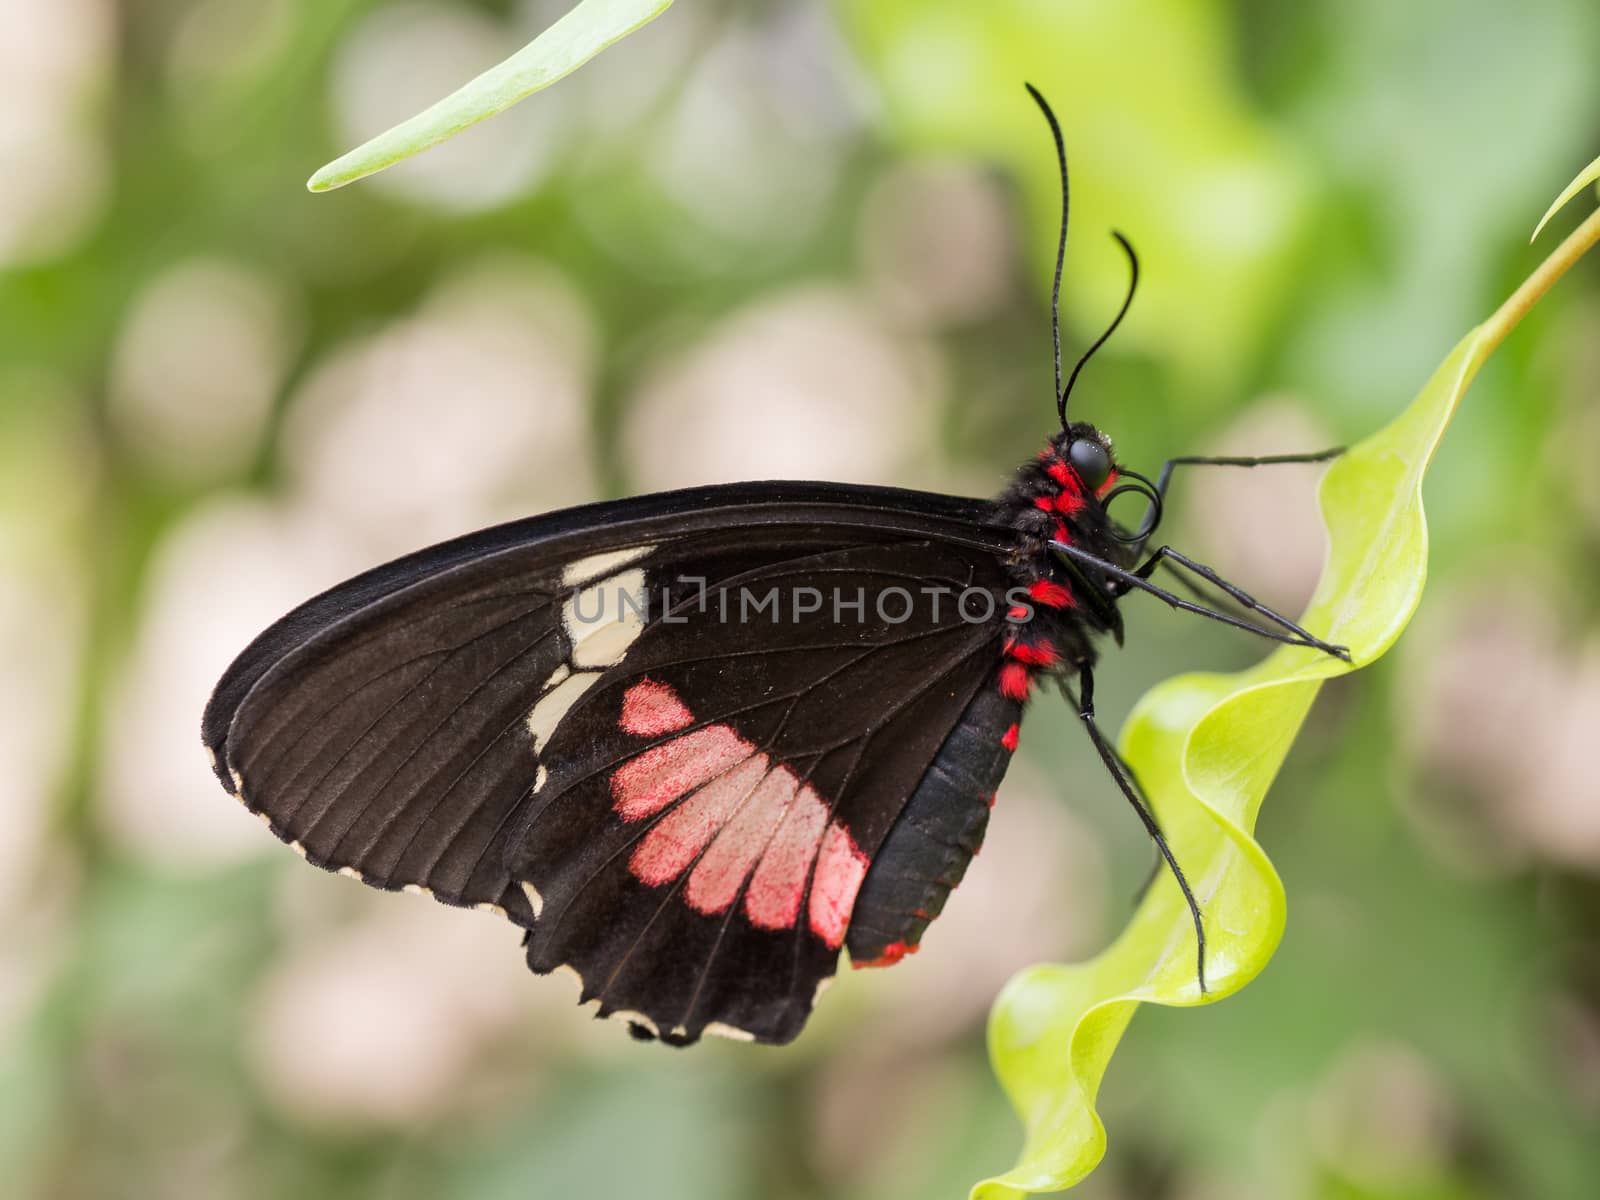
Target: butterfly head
{"x":1082,"y":463}
{"x":1087,"y":452}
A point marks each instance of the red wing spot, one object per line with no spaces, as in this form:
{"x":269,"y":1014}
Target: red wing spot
{"x":892,"y":953}
{"x":650,"y":709}
{"x":1010,"y":741}
{"x":646,"y":784}
{"x":679,"y":837}
{"x":1049,"y":594}
{"x":840,"y":869}
{"x":779,"y":884}
{"x":992,"y":797}
{"x":1014,"y":681}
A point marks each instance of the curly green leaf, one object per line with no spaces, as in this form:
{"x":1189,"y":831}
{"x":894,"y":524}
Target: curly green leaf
{"x":1206,"y":747}
{"x":557,"y":52}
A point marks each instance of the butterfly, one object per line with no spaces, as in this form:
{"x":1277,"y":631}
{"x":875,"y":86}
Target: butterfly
{"x":697,"y":743}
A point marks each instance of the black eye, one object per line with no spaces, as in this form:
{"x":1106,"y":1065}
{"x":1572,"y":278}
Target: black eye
{"x":1090,"y":461}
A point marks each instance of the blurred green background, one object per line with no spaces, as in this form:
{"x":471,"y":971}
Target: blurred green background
{"x":786,"y":239}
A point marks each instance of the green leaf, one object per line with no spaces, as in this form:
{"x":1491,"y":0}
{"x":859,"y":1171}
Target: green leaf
{"x":1206,"y":748}
{"x":557,"y":52}
{"x":1587,"y":176}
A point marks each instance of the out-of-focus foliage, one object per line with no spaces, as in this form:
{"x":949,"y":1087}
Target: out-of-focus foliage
{"x":755,"y":240}
{"x":1211,"y":196}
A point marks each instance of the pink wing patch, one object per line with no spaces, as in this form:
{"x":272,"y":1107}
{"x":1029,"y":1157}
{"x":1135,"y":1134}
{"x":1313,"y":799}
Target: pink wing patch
{"x":670,"y":848}
{"x":840,"y":870}
{"x":650,"y":709}
{"x":718,"y":877}
{"x":779,"y":884}
{"x":646,"y":784}
{"x":743,"y":823}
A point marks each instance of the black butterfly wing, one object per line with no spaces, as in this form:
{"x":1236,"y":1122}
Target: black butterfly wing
{"x":435,"y":723}
{"x":713,"y":802}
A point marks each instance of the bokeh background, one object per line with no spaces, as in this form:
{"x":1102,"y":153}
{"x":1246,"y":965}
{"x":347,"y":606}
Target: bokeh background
{"x":781,"y":239}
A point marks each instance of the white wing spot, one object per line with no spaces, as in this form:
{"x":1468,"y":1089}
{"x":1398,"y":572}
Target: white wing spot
{"x":553,"y":705}
{"x":298,"y":849}
{"x":730,"y":1031}
{"x":416,"y":889}
{"x":540,"y":779}
{"x":603,"y":620}
{"x":586,"y":570}
{"x":536,"y":902}
{"x":634,"y":1018}
{"x":351,"y":873}
{"x":488,"y":907}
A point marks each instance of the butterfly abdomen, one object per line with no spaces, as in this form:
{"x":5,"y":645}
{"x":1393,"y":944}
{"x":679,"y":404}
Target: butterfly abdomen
{"x":941,"y":827}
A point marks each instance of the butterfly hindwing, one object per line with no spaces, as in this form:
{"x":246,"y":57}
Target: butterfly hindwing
{"x":714,"y":800}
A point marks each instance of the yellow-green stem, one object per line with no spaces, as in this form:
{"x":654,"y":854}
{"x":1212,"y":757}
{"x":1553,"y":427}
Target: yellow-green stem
{"x":1573,"y":247}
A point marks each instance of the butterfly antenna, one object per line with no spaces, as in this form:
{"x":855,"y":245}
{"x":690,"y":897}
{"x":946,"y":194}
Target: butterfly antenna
{"x":1133,"y":286}
{"x":1061,"y":244}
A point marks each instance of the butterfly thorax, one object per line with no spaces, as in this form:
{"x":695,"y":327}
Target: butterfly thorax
{"x":1053,"y":629}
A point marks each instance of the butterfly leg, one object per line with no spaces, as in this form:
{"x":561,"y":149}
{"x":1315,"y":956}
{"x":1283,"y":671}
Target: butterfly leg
{"x":1174,"y":560}
{"x":1113,"y":572}
{"x":1220,"y":460}
{"x":1129,"y":785}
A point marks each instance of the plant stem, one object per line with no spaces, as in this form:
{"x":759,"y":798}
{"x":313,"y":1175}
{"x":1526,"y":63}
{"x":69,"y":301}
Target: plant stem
{"x":1505,"y":319}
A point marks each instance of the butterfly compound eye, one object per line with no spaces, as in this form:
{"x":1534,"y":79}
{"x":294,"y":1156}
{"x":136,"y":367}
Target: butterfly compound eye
{"x":1090,"y":461}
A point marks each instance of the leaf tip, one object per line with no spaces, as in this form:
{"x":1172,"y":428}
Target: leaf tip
{"x":1588,"y":175}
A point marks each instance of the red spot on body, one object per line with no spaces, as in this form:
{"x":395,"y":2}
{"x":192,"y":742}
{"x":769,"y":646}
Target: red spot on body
{"x":1035,"y":654}
{"x":1050,"y":594}
{"x":650,"y":709}
{"x":1044,"y":503}
{"x":1061,"y":532}
{"x":1070,"y":502}
{"x":1010,"y":742}
{"x":892,"y":953}
{"x":646,"y":784}
{"x":1017,"y":613}
{"x":1060,"y":472}
{"x":1014,"y":681}
{"x":1111,"y":481}
{"x":840,"y":869}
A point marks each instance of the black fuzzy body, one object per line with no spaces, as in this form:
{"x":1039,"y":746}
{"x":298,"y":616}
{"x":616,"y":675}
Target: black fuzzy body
{"x":1051,"y":634}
